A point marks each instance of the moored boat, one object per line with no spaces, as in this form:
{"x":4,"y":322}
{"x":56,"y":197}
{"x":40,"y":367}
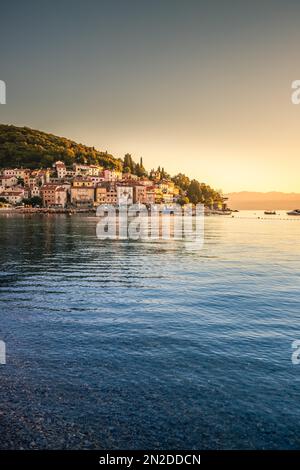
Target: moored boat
{"x":220,"y":212}
{"x":270,"y":212}
{"x":294,"y":212}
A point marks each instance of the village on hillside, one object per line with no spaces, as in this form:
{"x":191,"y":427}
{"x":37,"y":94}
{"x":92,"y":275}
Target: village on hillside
{"x":84,"y":187}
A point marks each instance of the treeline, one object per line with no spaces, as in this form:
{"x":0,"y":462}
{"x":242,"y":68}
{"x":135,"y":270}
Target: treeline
{"x":129,"y":166}
{"x":29,"y":148}
{"x":191,"y":191}
{"x":195,"y":192}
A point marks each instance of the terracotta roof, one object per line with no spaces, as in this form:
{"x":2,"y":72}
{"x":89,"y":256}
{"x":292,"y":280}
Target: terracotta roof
{"x":12,"y":193}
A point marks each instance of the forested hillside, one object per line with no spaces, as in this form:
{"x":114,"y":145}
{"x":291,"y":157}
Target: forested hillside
{"x":29,"y":148}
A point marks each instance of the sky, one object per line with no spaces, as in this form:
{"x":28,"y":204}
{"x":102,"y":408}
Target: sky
{"x":199,"y":87}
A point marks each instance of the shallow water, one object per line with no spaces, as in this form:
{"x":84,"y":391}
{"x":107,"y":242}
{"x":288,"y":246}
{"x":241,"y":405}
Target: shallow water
{"x":119,"y":345}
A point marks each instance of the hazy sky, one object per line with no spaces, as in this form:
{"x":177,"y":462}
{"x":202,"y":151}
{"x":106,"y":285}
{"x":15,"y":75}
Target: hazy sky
{"x":198,"y":87}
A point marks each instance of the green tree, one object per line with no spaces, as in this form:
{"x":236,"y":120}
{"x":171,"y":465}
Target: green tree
{"x":182,"y":181}
{"x":140,"y":169}
{"x":33,"y":201}
{"x":129,"y":163}
{"x":194,"y":192}
{"x":183,"y":200}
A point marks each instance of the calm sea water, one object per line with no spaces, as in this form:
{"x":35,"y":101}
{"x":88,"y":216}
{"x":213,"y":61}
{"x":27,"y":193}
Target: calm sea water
{"x":122,"y":345}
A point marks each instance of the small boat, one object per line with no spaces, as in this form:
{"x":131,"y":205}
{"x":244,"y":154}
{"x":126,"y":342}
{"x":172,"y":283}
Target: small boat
{"x":270,"y":212}
{"x":294,"y":212}
{"x":221,"y":212}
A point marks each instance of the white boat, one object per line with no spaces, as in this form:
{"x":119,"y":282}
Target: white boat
{"x":294,"y":212}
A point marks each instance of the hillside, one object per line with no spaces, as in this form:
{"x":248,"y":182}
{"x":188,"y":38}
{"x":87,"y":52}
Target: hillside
{"x":29,"y":148}
{"x":265,"y":201}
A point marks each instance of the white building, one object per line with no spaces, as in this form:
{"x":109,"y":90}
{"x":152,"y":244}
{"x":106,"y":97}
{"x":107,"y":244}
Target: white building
{"x":13,"y":196}
{"x":112,"y":175}
{"x":95,"y":170}
{"x":35,"y":191}
{"x":61,"y":170}
{"x":8,"y":181}
{"x":9,"y":172}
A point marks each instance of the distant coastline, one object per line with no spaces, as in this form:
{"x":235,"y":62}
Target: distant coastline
{"x":273,"y":200}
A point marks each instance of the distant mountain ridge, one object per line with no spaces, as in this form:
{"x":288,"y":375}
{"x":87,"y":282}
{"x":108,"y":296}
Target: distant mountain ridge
{"x":272,"y":200}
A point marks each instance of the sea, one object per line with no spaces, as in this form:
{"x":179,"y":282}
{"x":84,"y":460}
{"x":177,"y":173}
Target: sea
{"x":131,"y":344}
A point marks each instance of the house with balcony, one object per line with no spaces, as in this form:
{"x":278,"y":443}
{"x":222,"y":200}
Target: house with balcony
{"x":82,"y":192}
{"x":106,"y":193}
